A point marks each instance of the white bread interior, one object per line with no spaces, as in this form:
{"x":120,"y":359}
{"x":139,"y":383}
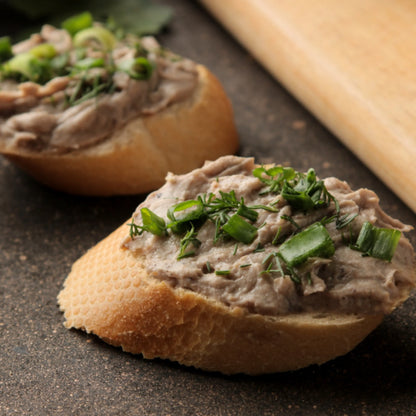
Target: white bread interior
{"x":108,"y":293}
{"x":136,"y":158}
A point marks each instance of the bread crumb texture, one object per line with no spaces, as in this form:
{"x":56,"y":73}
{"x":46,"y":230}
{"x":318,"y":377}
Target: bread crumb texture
{"x":109,"y":294}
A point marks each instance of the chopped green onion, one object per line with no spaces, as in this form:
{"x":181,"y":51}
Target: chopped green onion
{"x":193,"y":207}
{"x":239,"y":229}
{"x":302,"y":191}
{"x":137,"y":68}
{"x":29,"y":66}
{"x":297,"y":199}
{"x":5,"y":48}
{"x":314,"y":241}
{"x":152,"y":222}
{"x":365,"y":238}
{"x":43,"y":51}
{"x":77,"y":23}
{"x":307,"y":193}
{"x":191,"y":210}
{"x":96,"y":35}
{"x":277,"y":176}
{"x":88,"y":63}
{"x":377,"y":242}
{"x":21,"y":64}
{"x":247,"y":212}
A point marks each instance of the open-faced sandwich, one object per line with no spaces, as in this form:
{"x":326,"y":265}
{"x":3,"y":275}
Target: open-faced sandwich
{"x":236,"y":268}
{"x":89,"y":112}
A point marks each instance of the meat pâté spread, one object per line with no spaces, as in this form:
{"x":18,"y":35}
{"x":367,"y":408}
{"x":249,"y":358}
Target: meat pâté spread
{"x":273,"y":241}
{"x":70,"y":88}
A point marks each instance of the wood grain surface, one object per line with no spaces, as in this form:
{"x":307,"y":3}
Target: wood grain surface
{"x":351,"y":63}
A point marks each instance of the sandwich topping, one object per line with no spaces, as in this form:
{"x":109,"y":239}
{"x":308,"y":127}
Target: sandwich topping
{"x":70,"y":88}
{"x":273,"y":241}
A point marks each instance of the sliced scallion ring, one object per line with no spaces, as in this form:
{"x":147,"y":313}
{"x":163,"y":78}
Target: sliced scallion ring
{"x":96,"y":35}
{"x":137,"y":68}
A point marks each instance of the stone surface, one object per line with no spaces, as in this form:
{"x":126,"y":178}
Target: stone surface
{"x":48,"y":370}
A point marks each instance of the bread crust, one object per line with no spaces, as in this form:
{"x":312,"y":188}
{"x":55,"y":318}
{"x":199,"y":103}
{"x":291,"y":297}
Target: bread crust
{"x":108,"y":293}
{"x":136,"y":158}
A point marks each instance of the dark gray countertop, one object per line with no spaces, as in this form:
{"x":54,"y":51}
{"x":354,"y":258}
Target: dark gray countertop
{"x":48,"y":370}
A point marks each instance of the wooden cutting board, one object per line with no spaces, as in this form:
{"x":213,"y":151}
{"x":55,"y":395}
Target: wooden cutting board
{"x":352,"y":63}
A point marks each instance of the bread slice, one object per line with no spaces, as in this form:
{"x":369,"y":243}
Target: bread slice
{"x":109,"y":294}
{"x":136,"y":158}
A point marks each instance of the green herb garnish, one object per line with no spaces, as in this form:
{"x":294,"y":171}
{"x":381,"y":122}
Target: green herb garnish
{"x":291,"y":220}
{"x":314,"y":241}
{"x":302,"y":191}
{"x":277,"y":236}
{"x":88,"y":63}
{"x":151,"y":223}
{"x":341,"y":222}
{"x":235,"y":220}
{"x":87,"y":87}
{"x":377,"y":242}
{"x":189,"y":238}
{"x":43,"y":51}
{"x":75,"y":24}
{"x":26,"y":66}
{"x":274,"y":177}
{"x":137,"y":68}
{"x":183,"y":215}
{"x":96,"y":36}
{"x":239,"y":229}
{"x":232,"y":219}
{"x":273,"y":264}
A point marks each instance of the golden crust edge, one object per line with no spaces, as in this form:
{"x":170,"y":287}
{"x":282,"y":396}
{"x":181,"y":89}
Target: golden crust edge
{"x":152,"y":319}
{"x":137,"y":158}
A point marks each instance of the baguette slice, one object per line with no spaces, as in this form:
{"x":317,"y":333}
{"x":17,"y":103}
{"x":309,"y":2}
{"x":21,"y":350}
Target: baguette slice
{"x":109,"y":294}
{"x":136,"y":158}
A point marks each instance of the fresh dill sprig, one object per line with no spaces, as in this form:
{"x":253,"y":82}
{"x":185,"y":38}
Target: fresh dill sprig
{"x":189,"y":238}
